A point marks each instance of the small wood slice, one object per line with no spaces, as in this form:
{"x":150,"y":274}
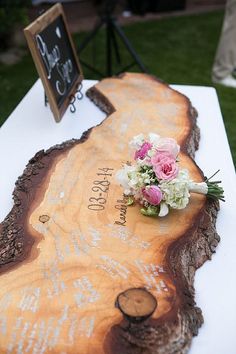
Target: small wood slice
{"x":136,"y":304}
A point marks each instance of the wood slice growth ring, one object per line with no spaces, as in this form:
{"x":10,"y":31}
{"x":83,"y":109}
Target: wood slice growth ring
{"x":71,"y":245}
{"x":136,"y":304}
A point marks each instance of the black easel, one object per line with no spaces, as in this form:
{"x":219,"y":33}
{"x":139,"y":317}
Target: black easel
{"x":112,"y":29}
{"x":77,"y":95}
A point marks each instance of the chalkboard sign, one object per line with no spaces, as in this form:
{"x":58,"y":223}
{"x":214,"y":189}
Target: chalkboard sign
{"x":55,"y":58}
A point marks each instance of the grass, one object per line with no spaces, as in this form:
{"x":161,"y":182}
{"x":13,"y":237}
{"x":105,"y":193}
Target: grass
{"x":178,"y":50}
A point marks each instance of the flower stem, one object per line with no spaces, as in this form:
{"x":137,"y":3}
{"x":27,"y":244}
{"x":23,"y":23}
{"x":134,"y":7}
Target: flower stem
{"x":215,"y":191}
{"x":208,"y":179}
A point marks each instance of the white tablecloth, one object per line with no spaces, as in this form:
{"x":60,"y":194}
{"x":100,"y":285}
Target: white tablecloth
{"x":31,"y":127}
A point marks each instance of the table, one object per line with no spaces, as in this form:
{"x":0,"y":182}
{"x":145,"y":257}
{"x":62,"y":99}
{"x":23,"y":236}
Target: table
{"x":31,"y":127}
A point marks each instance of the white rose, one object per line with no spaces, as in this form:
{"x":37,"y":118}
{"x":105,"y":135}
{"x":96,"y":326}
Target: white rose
{"x":168,"y":144}
{"x":154,"y":138}
{"x":122,"y":177}
{"x":164,"y":210}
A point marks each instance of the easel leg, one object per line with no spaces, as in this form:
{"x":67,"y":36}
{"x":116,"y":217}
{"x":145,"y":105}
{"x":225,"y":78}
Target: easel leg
{"x":90,"y":36}
{"x":129,"y":46}
{"x":115,"y":45}
{"x":109,"y":49}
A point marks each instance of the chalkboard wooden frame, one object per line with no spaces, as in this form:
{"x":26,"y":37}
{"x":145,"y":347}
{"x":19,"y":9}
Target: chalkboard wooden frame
{"x":31,"y":33}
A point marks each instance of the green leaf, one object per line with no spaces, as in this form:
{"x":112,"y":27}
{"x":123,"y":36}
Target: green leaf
{"x":130,"y":201}
{"x":150,"y":211}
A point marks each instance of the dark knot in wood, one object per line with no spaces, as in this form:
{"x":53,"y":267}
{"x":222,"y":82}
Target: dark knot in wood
{"x":136,"y":304}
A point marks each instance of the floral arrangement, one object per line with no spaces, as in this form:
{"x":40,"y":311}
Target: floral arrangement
{"x":155,"y":179}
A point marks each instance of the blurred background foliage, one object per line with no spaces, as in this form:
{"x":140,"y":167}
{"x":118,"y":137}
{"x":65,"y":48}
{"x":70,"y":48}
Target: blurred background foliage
{"x":12,"y":13}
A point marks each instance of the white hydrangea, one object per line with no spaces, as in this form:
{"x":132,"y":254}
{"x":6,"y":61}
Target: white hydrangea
{"x":176,"y":192}
{"x":134,"y":179}
{"x":137,"y":142}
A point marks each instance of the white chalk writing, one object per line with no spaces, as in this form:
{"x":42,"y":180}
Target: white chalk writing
{"x":5,"y":302}
{"x":52,"y":273}
{"x":122,"y":233}
{"x":150,"y":273}
{"x":51,"y":61}
{"x":3,"y":325}
{"x":30,"y":299}
{"x":113,"y":267}
{"x":87,"y":294}
{"x":96,"y":236}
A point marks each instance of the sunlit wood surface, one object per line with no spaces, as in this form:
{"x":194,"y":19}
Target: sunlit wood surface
{"x":89,"y":246}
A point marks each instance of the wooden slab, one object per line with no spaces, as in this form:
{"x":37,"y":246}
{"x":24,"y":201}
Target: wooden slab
{"x":70,"y":245}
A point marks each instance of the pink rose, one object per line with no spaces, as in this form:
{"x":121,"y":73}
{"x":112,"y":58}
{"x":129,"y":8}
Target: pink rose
{"x":152,"y":194}
{"x":142,"y":152}
{"x":164,"y":165}
{"x":168,"y":145}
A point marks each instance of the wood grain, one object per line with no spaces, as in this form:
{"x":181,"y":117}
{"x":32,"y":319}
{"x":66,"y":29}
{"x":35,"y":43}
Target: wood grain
{"x":79,"y":245}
